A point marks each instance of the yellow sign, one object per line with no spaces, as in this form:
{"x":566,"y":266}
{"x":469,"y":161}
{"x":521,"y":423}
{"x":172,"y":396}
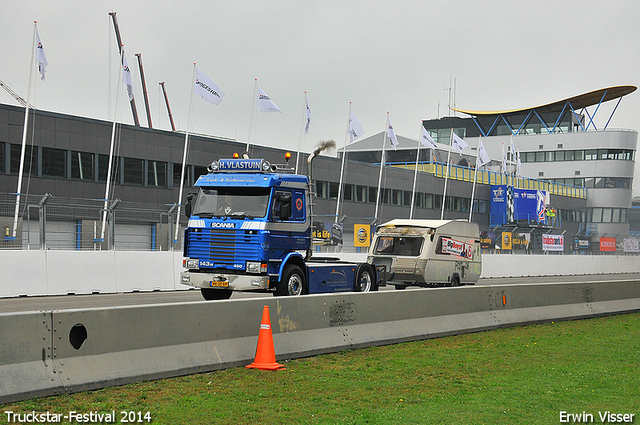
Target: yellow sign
{"x":506,"y":240}
{"x":361,"y":235}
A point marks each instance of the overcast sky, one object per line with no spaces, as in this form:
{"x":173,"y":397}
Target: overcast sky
{"x":400,"y":57}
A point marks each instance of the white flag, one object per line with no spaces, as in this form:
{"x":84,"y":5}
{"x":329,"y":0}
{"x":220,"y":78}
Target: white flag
{"x":308,"y":114}
{"x":41,"y":59}
{"x":483,"y":156}
{"x":126,"y":77}
{"x":427,"y":141}
{"x":513,"y":150}
{"x":457,"y":143}
{"x":355,"y":129}
{"x":504,"y":161}
{"x":518,"y":163}
{"x":265,"y":104}
{"x":391,"y":134}
{"x":207,"y":89}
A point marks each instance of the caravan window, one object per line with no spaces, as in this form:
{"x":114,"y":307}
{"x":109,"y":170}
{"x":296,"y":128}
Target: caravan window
{"x":407,"y":246}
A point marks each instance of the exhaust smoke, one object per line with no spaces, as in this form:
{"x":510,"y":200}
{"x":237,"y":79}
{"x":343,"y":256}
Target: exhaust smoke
{"x":324,"y":145}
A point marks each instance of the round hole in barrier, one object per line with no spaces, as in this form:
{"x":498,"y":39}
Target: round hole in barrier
{"x":77,"y":335}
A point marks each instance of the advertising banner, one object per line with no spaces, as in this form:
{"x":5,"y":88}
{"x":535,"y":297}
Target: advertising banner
{"x":454,"y":247}
{"x":521,"y":240}
{"x":487,"y":240}
{"x":553,"y":242}
{"x":631,"y":245}
{"x":361,"y":235}
{"x":510,"y":204}
{"x":582,"y":243}
{"x":608,"y":244}
{"x":506,"y":240}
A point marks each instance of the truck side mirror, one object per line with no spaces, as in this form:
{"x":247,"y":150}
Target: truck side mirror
{"x":188,"y":206}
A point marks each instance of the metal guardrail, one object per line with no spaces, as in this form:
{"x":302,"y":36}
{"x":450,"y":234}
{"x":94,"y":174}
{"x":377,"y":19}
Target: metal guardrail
{"x":457,"y":172}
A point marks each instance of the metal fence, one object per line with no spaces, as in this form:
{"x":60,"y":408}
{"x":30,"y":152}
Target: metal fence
{"x":49,"y":222}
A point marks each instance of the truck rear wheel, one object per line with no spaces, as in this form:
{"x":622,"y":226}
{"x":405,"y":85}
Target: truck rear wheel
{"x":365,"y":279}
{"x":216,"y":294}
{"x":293,"y":282}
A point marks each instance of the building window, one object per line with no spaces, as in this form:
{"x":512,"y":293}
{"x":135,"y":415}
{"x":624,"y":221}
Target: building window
{"x":428,"y":200}
{"x":386,"y":196}
{"x":198,"y":171}
{"x":322,"y":190}
{"x":82,"y":165}
{"x":2,"y":155}
{"x":407,"y":195}
{"x":30,"y":159}
{"x":397,"y":197}
{"x":419,"y":201}
{"x":591,"y":154}
{"x":133,"y":171}
{"x":103,"y":165}
{"x":361,"y":193}
{"x":54,"y":162}
{"x":157,"y":174}
{"x":348,"y":192}
{"x":333,"y":190}
{"x":373,"y":195}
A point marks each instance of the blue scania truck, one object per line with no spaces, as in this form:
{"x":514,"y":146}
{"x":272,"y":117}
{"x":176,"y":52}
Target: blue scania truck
{"x":250,"y":229}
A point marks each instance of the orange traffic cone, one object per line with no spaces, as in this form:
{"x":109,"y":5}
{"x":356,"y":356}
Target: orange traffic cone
{"x":265,"y":353}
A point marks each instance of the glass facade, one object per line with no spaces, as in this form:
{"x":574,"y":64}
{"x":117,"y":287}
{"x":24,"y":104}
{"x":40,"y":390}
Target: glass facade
{"x":578,"y":155}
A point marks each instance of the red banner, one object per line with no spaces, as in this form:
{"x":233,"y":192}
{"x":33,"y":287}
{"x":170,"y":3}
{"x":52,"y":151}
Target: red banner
{"x":608,"y":244}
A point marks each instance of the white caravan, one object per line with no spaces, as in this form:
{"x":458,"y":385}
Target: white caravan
{"x":428,"y":252}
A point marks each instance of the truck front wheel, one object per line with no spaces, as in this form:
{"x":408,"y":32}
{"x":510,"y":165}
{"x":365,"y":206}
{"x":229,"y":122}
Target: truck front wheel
{"x":216,"y":294}
{"x":293,"y":282}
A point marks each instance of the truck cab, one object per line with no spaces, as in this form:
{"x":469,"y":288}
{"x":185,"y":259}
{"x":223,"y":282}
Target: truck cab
{"x":249,"y":229}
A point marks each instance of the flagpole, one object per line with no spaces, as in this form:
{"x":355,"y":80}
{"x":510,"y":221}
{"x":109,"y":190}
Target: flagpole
{"x":344,"y":155}
{"x":24,"y":134}
{"x":184,"y":155}
{"x":253,"y":113}
{"x":384,"y":145}
{"x":475,"y":176}
{"x":446,"y":178}
{"x":415,"y":176}
{"x":304,"y":113}
{"x":113,"y":134}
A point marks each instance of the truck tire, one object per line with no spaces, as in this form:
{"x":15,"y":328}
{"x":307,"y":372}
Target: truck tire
{"x":216,"y":294}
{"x":293,"y":283}
{"x":365,"y":279}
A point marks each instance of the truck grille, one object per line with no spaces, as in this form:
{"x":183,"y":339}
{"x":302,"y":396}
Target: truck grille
{"x":223,"y":247}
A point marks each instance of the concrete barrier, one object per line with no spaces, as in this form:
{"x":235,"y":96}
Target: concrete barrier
{"x":35,"y":273}
{"x":66,"y":351}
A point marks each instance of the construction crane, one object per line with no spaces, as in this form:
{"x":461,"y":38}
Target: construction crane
{"x":134,"y":110}
{"x":166,"y":100}
{"x":15,"y":95}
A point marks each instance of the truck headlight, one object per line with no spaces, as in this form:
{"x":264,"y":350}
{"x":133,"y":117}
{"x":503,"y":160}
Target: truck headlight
{"x":256,"y":267}
{"x":193,"y":263}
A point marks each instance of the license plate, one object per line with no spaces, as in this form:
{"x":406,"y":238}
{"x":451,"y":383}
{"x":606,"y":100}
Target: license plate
{"x":219,"y":283}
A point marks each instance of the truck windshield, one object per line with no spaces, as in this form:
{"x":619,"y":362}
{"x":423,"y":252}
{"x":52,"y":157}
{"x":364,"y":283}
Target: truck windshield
{"x":232,"y":202}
